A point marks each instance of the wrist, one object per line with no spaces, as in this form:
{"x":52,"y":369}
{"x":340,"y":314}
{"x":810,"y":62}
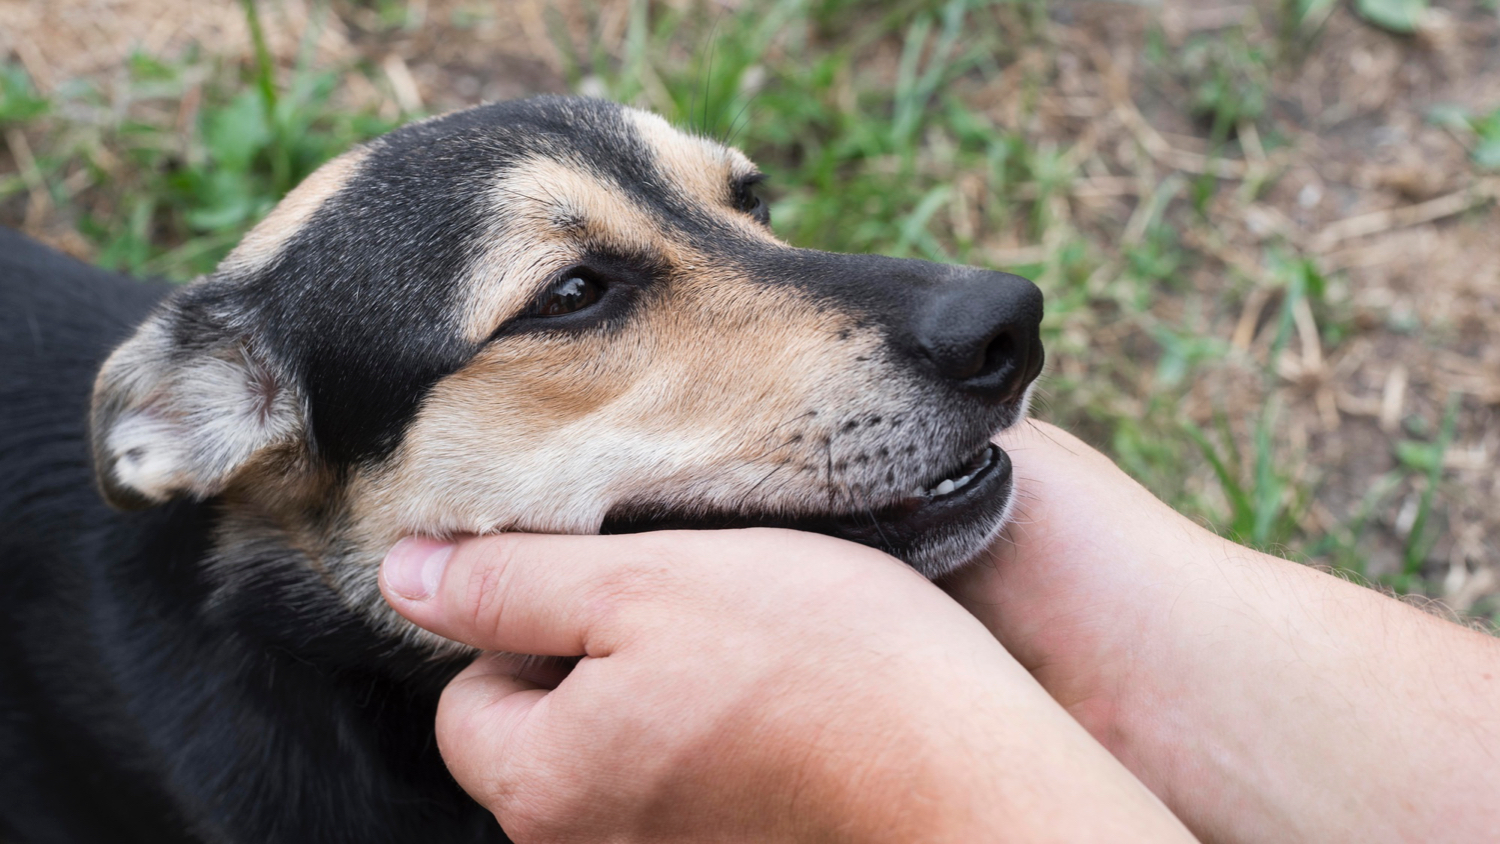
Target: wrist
{"x":1272,"y":701}
{"x":976,"y":751}
{"x":1259,"y":698}
{"x":958,"y":782}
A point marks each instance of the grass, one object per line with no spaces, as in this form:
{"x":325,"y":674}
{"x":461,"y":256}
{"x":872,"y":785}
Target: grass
{"x":1403,"y":16}
{"x":1482,"y":130}
{"x":157,"y":194}
{"x":1265,"y":502}
{"x":866,"y":122}
{"x":1425,"y":458}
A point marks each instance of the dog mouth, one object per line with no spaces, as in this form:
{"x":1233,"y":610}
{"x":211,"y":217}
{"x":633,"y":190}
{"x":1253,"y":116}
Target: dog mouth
{"x":964,"y":502}
{"x":975,"y":467}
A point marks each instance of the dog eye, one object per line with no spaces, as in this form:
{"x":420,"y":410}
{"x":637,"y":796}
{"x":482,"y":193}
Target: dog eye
{"x":747,"y":199}
{"x":571,"y":294}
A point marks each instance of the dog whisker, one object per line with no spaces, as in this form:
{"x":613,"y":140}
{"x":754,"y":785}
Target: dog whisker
{"x":779,"y":426}
{"x":746,"y":500}
{"x":558,"y":315}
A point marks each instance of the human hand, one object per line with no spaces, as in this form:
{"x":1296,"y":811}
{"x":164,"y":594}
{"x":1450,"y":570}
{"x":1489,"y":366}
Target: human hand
{"x":1077,"y":585}
{"x":755,"y":685}
{"x":1261,"y":699}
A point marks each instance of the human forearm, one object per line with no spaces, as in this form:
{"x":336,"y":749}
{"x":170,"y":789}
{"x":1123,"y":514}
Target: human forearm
{"x":1279,"y":703}
{"x":996,"y":769}
{"x":1261,"y":699}
{"x":1004,"y":766}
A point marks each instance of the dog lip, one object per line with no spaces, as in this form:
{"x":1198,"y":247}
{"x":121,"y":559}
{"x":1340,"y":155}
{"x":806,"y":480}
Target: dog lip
{"x":957,"y":478}
{"x":896,"y":528}
{"x":929,"y":509}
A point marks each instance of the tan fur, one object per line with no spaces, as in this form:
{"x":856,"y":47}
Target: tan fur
{"x":279,"y":502}
{"x":654,"y":396}
{"x":696,"y":166}
{"x":547,"y":213}
{"x":719,"y":393}
{"x":716,"y":392}
{"x":265,"y":241}
{"x":551,"y":434}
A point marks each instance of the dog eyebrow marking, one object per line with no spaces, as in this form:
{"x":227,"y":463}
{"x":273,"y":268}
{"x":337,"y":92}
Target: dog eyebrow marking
{"x":264,"y":242}
{"x":702,"y":170}
{"x":548,"y":214}
{"x":550,"y":210}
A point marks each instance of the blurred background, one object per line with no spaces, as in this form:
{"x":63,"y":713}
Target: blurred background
{"x":1268,"y":231}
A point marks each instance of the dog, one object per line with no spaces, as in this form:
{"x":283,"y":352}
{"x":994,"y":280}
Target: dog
{"x":554,"y":315}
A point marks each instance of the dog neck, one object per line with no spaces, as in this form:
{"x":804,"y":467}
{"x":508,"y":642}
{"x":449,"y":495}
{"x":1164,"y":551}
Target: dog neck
{"x":291,"y":558}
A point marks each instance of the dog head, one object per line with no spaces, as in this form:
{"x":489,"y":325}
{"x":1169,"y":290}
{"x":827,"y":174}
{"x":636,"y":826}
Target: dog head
{"x":562,"y":315}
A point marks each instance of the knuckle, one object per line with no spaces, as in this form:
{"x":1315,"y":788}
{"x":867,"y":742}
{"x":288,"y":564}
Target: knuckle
{"x":511,"y":784}
{"x":652,"y":553}
{"x":634,"y":580}
{"x":530,"y":804}
{"x":680,"y":553}
{"x":664,"y":577}
{"x":526,"y":819}
{"x":486,"y":587}
{"x":526,"y":813}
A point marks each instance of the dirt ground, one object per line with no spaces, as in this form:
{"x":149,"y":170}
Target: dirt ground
{"x":1347,"y":168}
{"x":1388,"y":204}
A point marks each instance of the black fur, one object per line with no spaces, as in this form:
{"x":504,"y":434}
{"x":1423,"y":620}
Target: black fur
{"x":137,"y":704}
{"x":355,"y":305}
{"x":157,"y":687}
{"x":381,"y":257}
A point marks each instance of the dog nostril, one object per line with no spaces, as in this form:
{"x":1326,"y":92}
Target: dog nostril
{"x":999,"y":354}
{"x":980,"y":333}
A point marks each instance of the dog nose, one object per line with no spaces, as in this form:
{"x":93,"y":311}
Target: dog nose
{"x":981,"y":331}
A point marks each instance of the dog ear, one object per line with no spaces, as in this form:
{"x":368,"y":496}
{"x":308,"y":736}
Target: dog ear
{"x":183,"y":405}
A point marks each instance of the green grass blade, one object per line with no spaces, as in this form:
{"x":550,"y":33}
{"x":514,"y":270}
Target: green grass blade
{"x":1417,"y":544}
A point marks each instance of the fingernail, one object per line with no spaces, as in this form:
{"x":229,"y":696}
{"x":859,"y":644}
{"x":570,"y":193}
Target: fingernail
{"x":414,"y":566}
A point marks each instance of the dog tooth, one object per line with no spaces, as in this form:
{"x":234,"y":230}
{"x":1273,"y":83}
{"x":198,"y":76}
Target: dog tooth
{"x":944,"y":488}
